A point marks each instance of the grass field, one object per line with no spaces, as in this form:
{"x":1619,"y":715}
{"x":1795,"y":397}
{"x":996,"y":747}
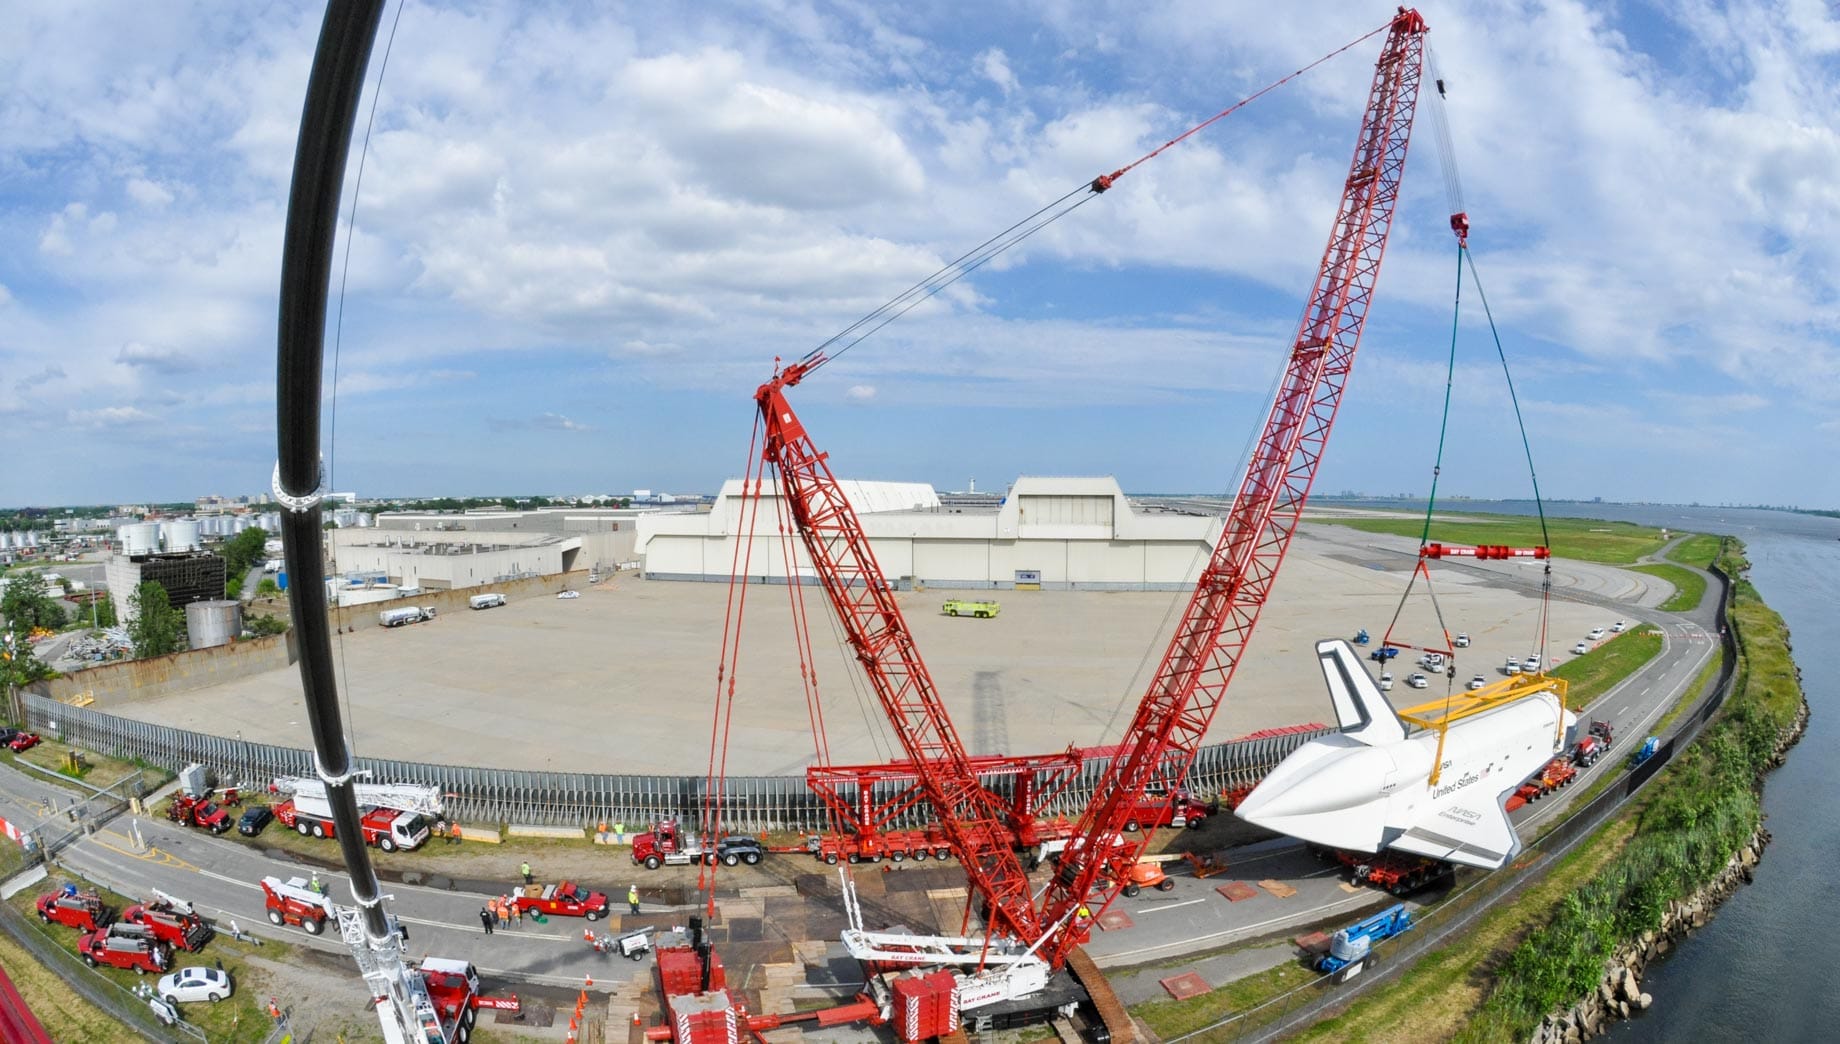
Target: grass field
{"x":1698,"y":551}
{"x":1588,"y":540}
{"x":65,"y":1015}
{"x":1689,"y":587}
{"x":1591,"y":675}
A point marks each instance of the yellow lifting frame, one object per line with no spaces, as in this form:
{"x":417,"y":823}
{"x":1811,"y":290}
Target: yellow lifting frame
{"x":1438,"y":714}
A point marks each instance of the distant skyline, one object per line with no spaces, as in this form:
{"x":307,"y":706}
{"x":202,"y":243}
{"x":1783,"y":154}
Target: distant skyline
{"x":585,"y":231}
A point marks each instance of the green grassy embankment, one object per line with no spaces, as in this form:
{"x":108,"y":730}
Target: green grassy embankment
{"x":1584,"y":539}
{"x":1591,"y":675}
{"x":1689,"y":587}
{"x":1701,"y":810}
{"x":1699,"y":551}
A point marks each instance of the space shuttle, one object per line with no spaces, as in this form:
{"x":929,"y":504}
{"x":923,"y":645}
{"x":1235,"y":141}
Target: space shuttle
{"x":1370,"y":786}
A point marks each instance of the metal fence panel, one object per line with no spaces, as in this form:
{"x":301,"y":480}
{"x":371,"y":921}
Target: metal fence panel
{"x":495,"y":795}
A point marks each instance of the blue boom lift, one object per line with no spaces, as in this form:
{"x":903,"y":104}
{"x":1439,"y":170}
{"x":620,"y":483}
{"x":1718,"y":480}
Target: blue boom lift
{"x":1354,"y":942}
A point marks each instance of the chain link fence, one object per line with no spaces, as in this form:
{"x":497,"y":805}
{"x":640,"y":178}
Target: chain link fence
{"x":583,"y":799}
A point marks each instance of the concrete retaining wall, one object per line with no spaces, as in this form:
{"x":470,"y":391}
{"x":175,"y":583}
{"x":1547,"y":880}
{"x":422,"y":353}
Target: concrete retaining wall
{"x":116,"y":683}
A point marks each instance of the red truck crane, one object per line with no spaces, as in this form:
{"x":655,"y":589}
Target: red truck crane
{"x":1026,"y":941}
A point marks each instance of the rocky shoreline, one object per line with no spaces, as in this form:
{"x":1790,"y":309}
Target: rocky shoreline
{"x":1620,"y":994}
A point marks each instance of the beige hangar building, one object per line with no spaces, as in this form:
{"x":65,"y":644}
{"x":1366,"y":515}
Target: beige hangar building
{"x":1047,"y":533}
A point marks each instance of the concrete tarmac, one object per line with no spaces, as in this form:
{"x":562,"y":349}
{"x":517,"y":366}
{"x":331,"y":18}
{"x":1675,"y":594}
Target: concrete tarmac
{"x":625,"y":678}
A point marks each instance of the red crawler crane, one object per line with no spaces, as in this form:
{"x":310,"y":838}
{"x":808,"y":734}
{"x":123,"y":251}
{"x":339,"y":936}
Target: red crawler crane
{"x":1175,"y":713}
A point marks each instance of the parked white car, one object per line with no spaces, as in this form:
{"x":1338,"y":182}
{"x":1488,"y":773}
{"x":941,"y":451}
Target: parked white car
{"x":568,"y":594}
{"x":1417,"y":681}
{"x":1462,"y":639}
{"x":1618,"y":626}
{"x":195,"y":984}
{"x":1597,"y":634}
{"x":1513,"y":666}
{"x":1531,"y":665}
{"x":1478,"y":682}
{"x":1386,"y":681}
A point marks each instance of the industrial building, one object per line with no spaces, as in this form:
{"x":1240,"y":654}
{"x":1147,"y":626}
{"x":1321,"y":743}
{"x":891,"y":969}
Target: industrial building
{"x":1047,"y":533}
{"x":444,"y":551}
{"x":187,"y":576}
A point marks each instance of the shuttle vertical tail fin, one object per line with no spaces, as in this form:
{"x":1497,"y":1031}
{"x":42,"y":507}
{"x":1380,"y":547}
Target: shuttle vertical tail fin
{"x":1360,"y":707}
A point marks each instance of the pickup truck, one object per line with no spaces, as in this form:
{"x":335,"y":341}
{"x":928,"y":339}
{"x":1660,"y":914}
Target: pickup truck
{"x":567,"y":899}
{"x":125,"y":946}
{"x":83,"y":910}
{"x":175,"y":924}
{"x":1156,"y":810}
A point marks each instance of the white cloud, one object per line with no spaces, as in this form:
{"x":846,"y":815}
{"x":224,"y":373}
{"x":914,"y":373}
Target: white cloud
{"x":155,"y":357}
{"x":860,"y":392}
{"x":994,"y":64}
{"x":148,"y":193}
{"x":109,"y":417}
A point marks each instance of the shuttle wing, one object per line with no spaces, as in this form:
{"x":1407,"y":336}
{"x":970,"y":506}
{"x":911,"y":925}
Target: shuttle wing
{"x":1473,"y":832}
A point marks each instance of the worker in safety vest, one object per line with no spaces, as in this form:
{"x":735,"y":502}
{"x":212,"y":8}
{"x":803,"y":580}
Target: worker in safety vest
{"x":632,"y":898}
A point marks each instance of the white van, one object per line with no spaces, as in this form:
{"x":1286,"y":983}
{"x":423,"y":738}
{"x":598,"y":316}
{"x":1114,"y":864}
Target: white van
{"x":485,"y":601}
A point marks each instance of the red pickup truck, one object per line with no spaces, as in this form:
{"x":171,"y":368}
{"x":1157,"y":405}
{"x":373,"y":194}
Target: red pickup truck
{"x":1156,"y":810}
{"x":82,"y":910}
{"x":125,"y":946}
{"x":567,"y":899}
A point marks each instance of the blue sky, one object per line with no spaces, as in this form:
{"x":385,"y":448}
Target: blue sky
{"x":585,"y":231}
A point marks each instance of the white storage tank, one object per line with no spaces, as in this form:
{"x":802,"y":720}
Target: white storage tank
{"x":141,"y":538}
{"x":213,"y":622}
{"x":181,"y":535}
{"x":6,"y":538}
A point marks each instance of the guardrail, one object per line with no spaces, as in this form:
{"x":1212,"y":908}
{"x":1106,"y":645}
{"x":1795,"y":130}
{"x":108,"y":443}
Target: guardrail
{"x":1312,"y":1001}
{"x":492,"y":795}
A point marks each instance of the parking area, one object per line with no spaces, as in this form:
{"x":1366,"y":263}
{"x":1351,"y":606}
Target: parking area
{"x":624,"y":678}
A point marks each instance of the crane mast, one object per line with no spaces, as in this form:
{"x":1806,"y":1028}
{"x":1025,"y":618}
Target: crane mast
{"x":1174,"y":715}
{"x":971,"y":817}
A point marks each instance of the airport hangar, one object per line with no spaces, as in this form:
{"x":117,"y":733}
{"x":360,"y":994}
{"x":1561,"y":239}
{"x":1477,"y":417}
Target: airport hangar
{"x":1046,"y":534}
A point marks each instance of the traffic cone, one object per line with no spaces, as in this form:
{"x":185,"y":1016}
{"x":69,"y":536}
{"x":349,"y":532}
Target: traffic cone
{"x":636,"y":1020}
{"x":587,"y":980}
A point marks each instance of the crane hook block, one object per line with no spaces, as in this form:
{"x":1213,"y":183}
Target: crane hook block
{"x":1459,"y":223}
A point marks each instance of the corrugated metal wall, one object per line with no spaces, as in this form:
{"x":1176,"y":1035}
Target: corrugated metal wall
{"x":478,"y":794}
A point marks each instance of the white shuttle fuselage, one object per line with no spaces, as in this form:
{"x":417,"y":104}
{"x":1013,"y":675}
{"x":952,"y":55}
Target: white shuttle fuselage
{"x":1368,"y":786}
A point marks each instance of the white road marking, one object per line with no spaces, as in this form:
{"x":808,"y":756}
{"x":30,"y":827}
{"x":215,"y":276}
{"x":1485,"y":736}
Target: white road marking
{"x":1623,"y":710}
{"x":1170,"y":906}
